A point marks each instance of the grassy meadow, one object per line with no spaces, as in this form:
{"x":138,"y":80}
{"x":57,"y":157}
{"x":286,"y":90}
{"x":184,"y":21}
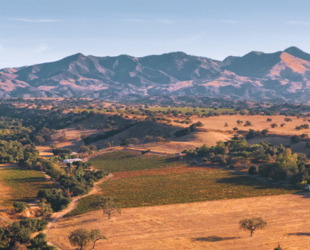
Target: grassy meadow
{"x":120,"y":161}
{"x":22,"y":185}
{"x":180,"y":188}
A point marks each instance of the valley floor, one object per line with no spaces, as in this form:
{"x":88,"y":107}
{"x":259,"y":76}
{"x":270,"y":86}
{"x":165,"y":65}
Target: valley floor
{"x":204,"y":225}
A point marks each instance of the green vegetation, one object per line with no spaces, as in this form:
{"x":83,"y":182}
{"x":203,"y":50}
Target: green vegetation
{"x":23,"y":184}
{"x":19,"y":232}
{"x":275,"y":162}
{"x":179,"y":188}
{"x":120,"y":161}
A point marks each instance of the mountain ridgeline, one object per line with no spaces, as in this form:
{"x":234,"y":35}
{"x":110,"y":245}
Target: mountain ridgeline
{"x":282,"y":76}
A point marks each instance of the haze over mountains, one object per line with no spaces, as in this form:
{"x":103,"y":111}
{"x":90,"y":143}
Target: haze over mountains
{"x":281,"y":76}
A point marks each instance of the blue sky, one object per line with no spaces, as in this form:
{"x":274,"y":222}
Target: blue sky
{"x":35,"y":31}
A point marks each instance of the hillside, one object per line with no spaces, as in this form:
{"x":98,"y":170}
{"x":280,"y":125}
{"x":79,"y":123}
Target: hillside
{"x":280,"y":76}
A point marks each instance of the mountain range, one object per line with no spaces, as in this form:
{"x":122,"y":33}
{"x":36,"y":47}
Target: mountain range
{"x":282,"y":76}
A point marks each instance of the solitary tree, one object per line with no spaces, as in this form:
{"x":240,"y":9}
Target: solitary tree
{"x":108,"y":206}
{"x":252,"y":224}
{"x":80,"y":237}
{"x":96,"y":235}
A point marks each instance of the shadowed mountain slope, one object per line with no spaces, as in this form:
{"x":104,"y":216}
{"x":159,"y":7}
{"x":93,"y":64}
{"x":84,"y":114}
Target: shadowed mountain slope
{"x":279,"y":76}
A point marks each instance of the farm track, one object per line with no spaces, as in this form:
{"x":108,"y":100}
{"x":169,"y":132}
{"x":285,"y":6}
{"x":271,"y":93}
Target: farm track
{"x":73,"y":205}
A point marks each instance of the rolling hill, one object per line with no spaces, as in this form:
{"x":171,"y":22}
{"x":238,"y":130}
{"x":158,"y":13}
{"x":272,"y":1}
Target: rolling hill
{"x":280,"y":76}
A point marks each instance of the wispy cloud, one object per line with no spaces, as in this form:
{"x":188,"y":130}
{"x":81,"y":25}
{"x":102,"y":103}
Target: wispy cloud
{"x":231,"y":21}
{"x":36,"y":20}
{"x":41,"y":48}
{"x":298,"y":23}
{"x":165,"y":21}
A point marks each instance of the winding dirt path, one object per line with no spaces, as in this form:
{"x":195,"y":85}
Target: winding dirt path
{"x":72,"y":206}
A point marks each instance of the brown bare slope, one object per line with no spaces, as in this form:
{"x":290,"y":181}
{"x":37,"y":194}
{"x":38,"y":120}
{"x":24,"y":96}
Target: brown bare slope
{"x":283,"y":75}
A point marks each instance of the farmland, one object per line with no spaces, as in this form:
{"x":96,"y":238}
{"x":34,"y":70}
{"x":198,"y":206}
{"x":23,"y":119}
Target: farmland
{"x":163,"y":189}
{"x":21,"y":184}
{"x":119,"y":161}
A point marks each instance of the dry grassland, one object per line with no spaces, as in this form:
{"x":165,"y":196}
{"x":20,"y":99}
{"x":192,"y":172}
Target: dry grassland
{"x":259,"y":122}
{"x":206,"y":225}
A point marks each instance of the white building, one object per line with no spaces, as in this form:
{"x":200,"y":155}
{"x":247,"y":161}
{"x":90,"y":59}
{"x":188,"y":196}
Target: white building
{"x":72,"y":160}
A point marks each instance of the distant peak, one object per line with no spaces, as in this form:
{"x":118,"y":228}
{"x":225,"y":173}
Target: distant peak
{"x":294,"y":51}
{"x":292,"y":48}
{"x":258,"y":52}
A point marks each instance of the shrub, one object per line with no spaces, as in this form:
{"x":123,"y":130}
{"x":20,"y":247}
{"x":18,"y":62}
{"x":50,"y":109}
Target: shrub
{"x":83,"y":149}
{"x":269,"y":119}
{"x":148,"y":138}
{"x":145,"y":151}
{"x":253,"y":170}
{"x":62,"y":151}
{"x":231,"y":166}
{"x":295,"y":139}
{"x":62,"y":138}
{"x":264,"y":132}
{"x":251,"y":134}
{"x":273,"y":125}
{"x":20,"y":206}
{"x":303,"y":135}
{"x":134,"y":141}
{"x":125,"y":142}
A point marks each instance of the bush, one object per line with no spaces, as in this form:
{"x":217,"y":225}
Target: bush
{"x":62,"y":151}
{"x":273,"y":125}
{"x":231,"y":166}
{"x":125,"y":142}
{"x":20,"y":206}
{"x":253,"y":170}
{"x":264,"y":132}
{"x":134,"y":141}
{"x":62,"y":138}
{"x":83,"y":149}
{"x":251,"y":134}
{"x":295,"y":139}
{"x":145,"y":151}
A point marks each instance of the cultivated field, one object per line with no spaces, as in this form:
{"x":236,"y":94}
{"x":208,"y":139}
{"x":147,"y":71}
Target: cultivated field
{"x":120,"y":161}
{"x":20,"y":184}
{"x":148,"y":180}
{"x":210,"y":225}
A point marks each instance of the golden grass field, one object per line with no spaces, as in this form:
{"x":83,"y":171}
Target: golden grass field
{"x":212,"y":132}
{"x":259,"y":122}
{"x":204,"y":225}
